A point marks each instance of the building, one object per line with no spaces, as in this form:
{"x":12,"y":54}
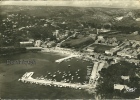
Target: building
{"x":120,"y":87}
{"x":119,"y":18}
{"x":26,"y":44}
{"x":125,"y":77}
{"x":93,"y":36}
{"x":100,"y":39}
{"x":31,"y":40}
{"x":128,"y":52}
{"x":108,"y":52}
{"x":135,"y":33}
{"x":137,"y":19}
{"x":51,"y":44}
{"x":38,"y":43}
{"x":90,"y":49}
{"x":112,"y":51}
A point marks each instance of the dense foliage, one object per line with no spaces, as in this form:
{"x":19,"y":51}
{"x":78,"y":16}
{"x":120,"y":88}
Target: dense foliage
{"x":112,"y":75}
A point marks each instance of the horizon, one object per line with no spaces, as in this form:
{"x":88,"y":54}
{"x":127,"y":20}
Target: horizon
{"x":132,"y":4}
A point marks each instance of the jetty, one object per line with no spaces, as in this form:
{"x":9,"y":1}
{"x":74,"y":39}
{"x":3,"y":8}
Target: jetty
{"x":66,"y":58}
{"x":27,"y":78}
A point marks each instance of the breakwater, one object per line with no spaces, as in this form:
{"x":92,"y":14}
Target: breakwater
{"x":27,"y":78}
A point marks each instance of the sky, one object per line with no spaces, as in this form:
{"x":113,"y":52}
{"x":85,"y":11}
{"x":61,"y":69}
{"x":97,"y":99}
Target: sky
{"x":79,"y":3}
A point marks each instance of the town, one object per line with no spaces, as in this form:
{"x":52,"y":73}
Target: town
{"x":103,"y":44}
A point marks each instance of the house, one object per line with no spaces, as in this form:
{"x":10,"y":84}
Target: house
{"x":123,"y":54}
{"x":125,"y":77}
{"x":108,"y":52}
{"x":119,"y":18}
{"x":138,"y":50}
{"x":116,"y":59}
{"x":100,"y":39}
{"x":90,"y":49}
{"x":112,"y":51}
{"x":128,"y":53}
{"x":37,"y":43}
{"x":135,"y":33}
{"x":51,"y":44}
{"x":137,"y":19}
{"x":93,"y":36}
{"x":120,"y":87}
{"x":31,"y":40}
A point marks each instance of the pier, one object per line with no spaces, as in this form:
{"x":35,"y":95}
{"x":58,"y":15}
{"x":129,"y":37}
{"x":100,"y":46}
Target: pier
{"x":27,"y":78}
{"x":62,"y":59}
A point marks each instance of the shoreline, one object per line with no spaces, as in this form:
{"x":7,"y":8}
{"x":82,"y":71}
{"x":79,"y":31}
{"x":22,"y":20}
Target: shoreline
{"x":62,"y":51}
{"x":70,"y":52}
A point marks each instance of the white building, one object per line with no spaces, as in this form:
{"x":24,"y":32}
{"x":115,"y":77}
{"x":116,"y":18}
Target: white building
{"x":138,"y":19}
{"x":125,"y":77}
{"x":26,"y":44}
{"x":119,"y":18}
{"x":120,"y":87}
{"x":37,"y":43}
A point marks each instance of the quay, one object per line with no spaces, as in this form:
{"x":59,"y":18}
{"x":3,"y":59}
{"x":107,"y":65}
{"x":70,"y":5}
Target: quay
{"x":27,"y":78}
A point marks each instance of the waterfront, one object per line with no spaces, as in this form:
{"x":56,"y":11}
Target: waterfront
{"x":45,"y":62}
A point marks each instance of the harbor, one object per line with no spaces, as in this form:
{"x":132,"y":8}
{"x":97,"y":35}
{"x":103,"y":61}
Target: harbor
{"x":27,"y":78}
{"x":45,"y":66}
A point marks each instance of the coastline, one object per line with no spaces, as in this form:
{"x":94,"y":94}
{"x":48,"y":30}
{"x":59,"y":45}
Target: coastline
{"x":62,"y":51}
{"x":70,"y":52}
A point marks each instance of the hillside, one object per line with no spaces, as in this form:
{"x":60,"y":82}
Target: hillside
{"x":69,"y":13}
{"x":29,"y":21}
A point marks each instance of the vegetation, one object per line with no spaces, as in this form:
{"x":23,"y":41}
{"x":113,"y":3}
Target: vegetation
{"x":112,"y":75}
